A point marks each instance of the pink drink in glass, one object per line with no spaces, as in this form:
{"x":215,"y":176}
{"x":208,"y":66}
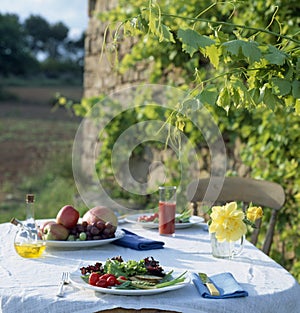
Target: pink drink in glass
{"x":167,"y":218}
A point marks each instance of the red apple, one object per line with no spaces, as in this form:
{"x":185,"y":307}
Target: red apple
{"x":54,"y":231}
{"x":100,"y":213}
{"x":45,"y":224}
{"x":42,"y":227}
{"x":67,"y":216}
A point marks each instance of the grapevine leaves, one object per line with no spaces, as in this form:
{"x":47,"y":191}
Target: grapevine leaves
{"x":208,"y":95}
{"x":253,"y":54}
{"x":296,"y":89}
{"x":247,"y":48}
{"x":166,"y":34}
{"x":213,"y":53}
{"x":281,"y":86}
{"x":247,"y":72}
{"x":193,"y":41}
{"x":275,"y":56}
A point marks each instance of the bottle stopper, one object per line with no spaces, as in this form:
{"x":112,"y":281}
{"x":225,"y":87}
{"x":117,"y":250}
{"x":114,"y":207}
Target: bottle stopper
{"x":29,"y":198}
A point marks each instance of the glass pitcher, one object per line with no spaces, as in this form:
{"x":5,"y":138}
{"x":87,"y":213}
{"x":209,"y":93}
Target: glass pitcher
{"x":26,"y":242}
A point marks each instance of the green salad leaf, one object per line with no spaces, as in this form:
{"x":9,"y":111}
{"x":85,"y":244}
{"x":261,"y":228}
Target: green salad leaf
{"x":184,"y":217}
{"x":127,"y":269}
{"x":166,"y":281}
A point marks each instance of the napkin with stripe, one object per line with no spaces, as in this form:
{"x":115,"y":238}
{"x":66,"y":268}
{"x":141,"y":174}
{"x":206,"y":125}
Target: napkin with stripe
{"x":134,"y":241}
{"x":225,"y":283}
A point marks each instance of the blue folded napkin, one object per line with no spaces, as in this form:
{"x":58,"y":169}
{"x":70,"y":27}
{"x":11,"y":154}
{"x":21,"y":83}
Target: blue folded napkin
{"x":134,"y":241}
{"x":225,"y":283}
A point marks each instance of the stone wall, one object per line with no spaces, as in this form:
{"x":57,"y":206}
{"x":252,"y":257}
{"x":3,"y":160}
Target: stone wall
{"x":99,"y":73}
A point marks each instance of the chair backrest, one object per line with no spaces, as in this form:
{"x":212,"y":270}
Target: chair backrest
{"x":216,"y":190}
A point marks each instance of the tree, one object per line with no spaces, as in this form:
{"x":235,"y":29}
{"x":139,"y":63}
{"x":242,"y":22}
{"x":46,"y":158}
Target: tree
{"x":15,"y":57}
{"x":57,"y":40}
{"x":38,"y":30}
{"x":75,"y":50}
{"x":46,"y":38}
{"x":24,"y":48}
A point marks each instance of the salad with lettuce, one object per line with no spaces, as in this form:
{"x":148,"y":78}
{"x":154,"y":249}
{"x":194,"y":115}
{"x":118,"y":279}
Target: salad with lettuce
{"x":117,"y":273}
{"x":183,"y":217}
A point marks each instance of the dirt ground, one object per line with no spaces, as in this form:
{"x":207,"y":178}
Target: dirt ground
{"x":31,"y":130}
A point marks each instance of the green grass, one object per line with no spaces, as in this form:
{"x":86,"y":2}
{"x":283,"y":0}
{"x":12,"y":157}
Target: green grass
{"x":35,"y":130}
{"x":39,"y":81}
{"x":53,"y":187}
{"x":36,"y":154}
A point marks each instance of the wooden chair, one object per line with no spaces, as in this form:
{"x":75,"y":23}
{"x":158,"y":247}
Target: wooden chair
{"x":218,"y":190}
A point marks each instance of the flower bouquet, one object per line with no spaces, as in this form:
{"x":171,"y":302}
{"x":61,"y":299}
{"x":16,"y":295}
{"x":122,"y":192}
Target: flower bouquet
{"x":228,"y":224}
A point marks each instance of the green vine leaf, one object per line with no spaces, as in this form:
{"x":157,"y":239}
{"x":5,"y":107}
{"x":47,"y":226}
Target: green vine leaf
{"x":296,"y":89}
{"x":281,"y":86}
{"x":166,"y":35}
{"x":269,"y":99}
{"x":275,"y":56}
{"x":208,"y":95}
{"x":224,"y":99}
{"x":213,"y":53}
{"x":193,"y":41}
{"x":297,"y":107}
{"x":249,"y":49}
{"x":133,"y":27}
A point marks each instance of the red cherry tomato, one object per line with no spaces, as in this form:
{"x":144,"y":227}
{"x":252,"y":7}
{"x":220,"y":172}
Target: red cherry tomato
{"x":142,"y":218}
{"x":105,"y":276}
{"x":111,"y":281}
{"x":121,"y":280}
{"x":93,"y":278}
{"x":102,"y":283}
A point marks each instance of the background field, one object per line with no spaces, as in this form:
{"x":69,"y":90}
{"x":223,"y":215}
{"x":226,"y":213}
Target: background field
{"x":35,"y":150}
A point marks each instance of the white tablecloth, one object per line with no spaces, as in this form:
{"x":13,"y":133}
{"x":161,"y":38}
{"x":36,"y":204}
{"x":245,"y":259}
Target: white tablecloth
{"x":30,"y":285}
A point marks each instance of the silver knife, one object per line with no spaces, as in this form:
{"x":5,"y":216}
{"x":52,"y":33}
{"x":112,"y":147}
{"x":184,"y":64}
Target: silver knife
{"x":209,"y":284}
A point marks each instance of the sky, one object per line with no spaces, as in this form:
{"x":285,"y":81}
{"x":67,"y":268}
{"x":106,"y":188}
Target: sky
{"x":73,"y":13}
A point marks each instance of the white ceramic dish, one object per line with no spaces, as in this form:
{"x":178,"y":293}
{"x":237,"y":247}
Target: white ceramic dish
{"x":134,"y":219}
{"x":76,"y":279}
{"x":83,"y":244}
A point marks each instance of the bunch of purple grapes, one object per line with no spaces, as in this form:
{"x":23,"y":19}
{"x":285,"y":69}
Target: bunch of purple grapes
{"x":96,"y":231}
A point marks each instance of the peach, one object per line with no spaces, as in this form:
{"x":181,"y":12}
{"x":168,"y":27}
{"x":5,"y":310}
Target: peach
{"x":100,"y":213}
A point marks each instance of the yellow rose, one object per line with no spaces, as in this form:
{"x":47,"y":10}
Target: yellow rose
{"x":254,"y":213}
{"x":227,"y":222}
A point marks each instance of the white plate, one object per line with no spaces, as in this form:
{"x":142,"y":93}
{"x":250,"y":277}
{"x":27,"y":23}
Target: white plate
{"x":76,"y":279}
{"x":134,"y":219}
{"x":83,"y":244}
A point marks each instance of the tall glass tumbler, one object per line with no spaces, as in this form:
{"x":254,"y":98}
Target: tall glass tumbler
{"x":167,"y":210}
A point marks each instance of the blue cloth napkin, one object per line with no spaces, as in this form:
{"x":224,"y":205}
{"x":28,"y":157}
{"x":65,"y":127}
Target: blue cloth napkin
{"x":134,"y":241}
{"x":225,"y":283}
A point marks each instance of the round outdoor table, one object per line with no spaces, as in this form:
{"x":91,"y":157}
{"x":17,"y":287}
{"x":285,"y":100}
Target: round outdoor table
{"x":30,"y":285}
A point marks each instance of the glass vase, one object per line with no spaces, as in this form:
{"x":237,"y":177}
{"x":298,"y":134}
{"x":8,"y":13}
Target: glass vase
{"x":226,"y":249}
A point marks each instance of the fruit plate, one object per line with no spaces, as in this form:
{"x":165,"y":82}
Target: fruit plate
{"x":75,"y":278}
{"x":134,"y":219}
{"x":83,"y":244}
